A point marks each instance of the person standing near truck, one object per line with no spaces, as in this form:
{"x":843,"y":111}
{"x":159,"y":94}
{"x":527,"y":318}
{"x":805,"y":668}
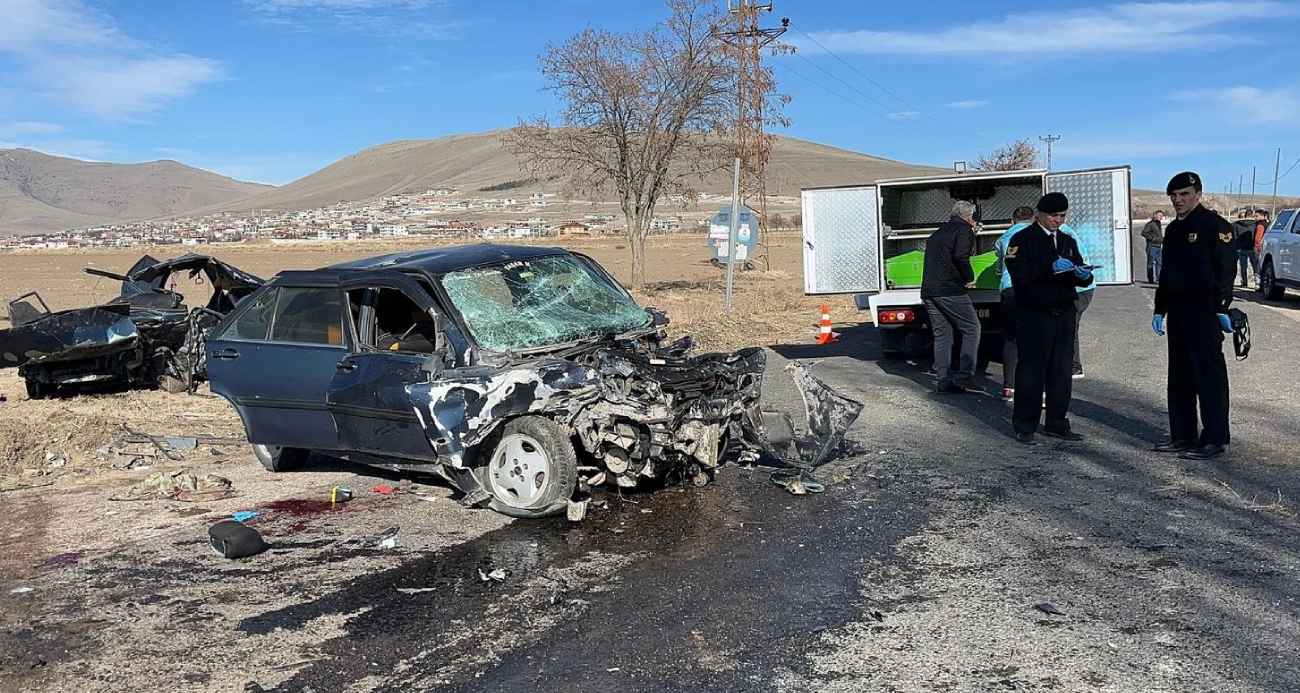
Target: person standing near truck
{"x":1194,"y":293}
{"x":1020,"y":218}
{"x":1083,"y":299}
{"x":1045,"y":267}
{"x":1244,"y":232}
{"x":1154,"y":233}
{"x":945,"y":279}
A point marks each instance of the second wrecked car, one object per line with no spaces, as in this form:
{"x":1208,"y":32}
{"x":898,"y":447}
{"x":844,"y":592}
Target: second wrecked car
{"x":147,"y":336}
{"x":517,"y":373}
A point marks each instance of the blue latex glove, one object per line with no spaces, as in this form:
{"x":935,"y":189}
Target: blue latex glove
{"x":1062,"y":265}
{"x":1158,"y":325}
{"x":1225,"y":323}
{"x":1083,"y":273}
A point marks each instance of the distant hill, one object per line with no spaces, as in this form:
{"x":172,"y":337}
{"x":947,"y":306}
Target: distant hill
{"x":471,"y":163}
{"x":40,"y":193}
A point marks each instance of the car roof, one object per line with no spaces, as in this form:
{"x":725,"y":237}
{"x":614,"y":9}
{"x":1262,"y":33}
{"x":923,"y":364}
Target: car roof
{"x":449,"y":258}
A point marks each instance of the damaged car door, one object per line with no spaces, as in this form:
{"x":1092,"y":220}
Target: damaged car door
{"x":274,"y":358}
{"x":399,"y":342}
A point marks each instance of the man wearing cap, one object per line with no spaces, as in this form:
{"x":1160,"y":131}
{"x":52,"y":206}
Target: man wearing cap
{"x":1045,"y":267}
{"x":1192,"y":300}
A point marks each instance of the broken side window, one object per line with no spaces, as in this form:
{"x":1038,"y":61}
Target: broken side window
{"x":255,"y":322}
{"x":399,"y":323}
{"x":314,"y":316}
{"x":527,"y":304}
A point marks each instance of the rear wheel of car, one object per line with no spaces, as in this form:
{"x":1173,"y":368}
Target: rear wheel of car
{"x":532,"y":466}
{"x":39,"y":390}
{"x":279,"y":459}
{"x":1268,"y":283}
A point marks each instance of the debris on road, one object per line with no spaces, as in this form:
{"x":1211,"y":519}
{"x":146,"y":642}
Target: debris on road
{"x":55,"y":459}
{"x":384,"y":540}
{"x":234,"y":539}
{"x":798,"y":482}
{"x":21,"y":590}
{"x":179,"y":485}
{"x":1049,"y":608}
{"x":498,"y":575}
{"x":244,"y":515}
{"x":416,"y":590}
{"x":339,"y":494}
{"x":577,"y":510}
{"x":380,"y":488}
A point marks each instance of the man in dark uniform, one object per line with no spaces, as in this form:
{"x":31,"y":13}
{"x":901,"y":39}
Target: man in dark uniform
{"x":1194,"y":293}
{"x":1045,"y":267}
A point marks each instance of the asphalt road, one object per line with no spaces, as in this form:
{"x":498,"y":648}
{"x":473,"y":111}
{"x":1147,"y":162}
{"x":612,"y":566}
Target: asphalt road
{"x":917,"y":570}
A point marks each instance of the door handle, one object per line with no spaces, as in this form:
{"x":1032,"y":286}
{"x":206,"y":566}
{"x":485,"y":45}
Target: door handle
{"x":347,"y":366}
{"x":225,"y":354}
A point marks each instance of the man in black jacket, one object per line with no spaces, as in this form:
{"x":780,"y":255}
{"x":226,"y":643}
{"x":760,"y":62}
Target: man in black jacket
{"x":1154,"y":234}
{"x":1045,"y":267}
{"x":1244,"y":231}
{"x":946,"y":277}
{"x":1195,"y":291}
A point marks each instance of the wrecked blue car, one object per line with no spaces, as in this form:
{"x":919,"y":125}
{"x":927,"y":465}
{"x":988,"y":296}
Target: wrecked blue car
{"x":522,"y":375}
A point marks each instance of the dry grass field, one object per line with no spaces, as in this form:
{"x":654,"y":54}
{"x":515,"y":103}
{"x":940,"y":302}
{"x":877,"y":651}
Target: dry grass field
{"x":770,"y":308}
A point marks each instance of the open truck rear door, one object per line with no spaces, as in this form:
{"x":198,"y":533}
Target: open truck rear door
{"x":841,"y":240}
{"x":1101,"y":216}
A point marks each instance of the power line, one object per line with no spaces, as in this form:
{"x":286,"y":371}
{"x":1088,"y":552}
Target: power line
{"x":878,"y":85}
{"x":900,"y":122}
{"x":1293,"y":165}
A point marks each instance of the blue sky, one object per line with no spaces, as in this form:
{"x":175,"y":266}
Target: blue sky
{"x":271,"y":90}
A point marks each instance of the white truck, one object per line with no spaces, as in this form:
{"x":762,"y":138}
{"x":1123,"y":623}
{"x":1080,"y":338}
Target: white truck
{"x":1279,"y":256}
{"x":869,"y":240}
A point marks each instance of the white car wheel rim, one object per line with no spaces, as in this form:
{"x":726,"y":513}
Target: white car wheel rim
{"x":520,"y":471}
{"x":269,"y":451}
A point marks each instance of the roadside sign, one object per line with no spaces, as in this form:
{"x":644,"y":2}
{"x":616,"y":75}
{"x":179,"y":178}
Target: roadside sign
{"x":746,"y":235}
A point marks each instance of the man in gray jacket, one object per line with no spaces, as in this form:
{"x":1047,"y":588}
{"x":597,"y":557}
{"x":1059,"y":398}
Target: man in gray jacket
{"x":945,"y":279}
{"x":1154,"y":233}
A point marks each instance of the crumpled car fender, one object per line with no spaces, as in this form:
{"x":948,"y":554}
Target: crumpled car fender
{"x":460,"y":411}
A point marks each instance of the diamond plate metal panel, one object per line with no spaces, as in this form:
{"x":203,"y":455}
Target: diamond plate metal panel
{"x":920,"y":207}
{"x":842,"y":245}
{"x":1091,"y":216}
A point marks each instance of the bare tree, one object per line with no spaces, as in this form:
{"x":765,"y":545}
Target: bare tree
{"x":646,"y":114}
{"x":1017,"y":156}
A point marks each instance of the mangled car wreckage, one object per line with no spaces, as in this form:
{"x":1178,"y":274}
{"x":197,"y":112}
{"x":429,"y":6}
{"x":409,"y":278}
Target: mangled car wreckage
{"x":146,"y":336}
{"x":519,"y":374}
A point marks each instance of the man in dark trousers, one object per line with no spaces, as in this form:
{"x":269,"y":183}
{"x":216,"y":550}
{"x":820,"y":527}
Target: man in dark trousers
{"x":1154,"y":234}
{"x":1244,"y":231}
{"x":945,"y":279}
{"x":1045,"y":267}
{"x":1194,"y":293}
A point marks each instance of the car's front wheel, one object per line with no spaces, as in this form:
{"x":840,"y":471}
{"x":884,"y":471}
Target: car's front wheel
{"x":1268,"y":283}
{"x":280,"y":459}
{"x":533,"y":466}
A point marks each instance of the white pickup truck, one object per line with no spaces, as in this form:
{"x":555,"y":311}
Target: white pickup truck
{"x":869,"y":240}
{"x":1279,"y":255}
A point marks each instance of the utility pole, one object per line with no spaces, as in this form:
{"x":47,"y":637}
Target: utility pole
{"x":1277,"y":168}
{"x":748,"y":40}
{"x":1252,"y":188}
{"x":1049,"y":139}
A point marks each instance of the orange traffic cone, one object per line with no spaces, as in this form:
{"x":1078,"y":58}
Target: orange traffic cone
{"x":825,"y":336}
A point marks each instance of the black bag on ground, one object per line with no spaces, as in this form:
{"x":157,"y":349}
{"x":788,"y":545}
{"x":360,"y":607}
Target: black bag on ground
{"x":1240,"y":333}
{"x":234,"y":539}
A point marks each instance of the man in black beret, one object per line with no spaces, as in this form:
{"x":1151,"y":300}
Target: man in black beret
{"x":1194,"y":292}
{"x":1045,"y":267}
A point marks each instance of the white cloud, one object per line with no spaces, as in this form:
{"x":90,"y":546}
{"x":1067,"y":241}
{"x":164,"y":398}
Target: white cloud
{"x":29,"y":128}
{"x":1248,"y":106}
{"x":1114,"y":29}
{"x":905,"y":115}
{"x":77,"y":55}
{"x":413,"y":19}
{"x":86,"y":150}
{"x":967,"y":104}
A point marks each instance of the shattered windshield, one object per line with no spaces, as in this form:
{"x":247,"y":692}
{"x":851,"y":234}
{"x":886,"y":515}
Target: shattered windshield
{"x":526,"y":304}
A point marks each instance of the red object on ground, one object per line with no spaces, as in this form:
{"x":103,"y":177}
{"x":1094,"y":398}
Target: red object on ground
{"x":381,"y":489}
